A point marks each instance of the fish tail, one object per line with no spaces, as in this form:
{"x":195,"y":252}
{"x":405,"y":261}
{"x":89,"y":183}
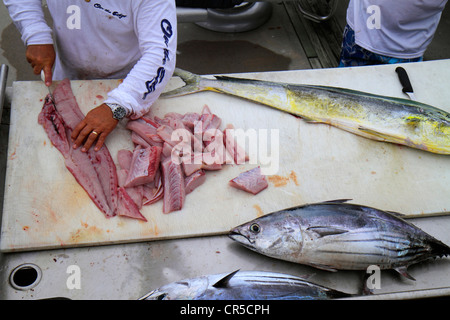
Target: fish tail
{"x":193,"y":83}
{"x":439,"y":249}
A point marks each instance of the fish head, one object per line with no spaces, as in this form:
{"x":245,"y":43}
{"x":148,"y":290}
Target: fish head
{"x":155,"y":295}
{"x":276,"y":235}
{"x":188,"y":289}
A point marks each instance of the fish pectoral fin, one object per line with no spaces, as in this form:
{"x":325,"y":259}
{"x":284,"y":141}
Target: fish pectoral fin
{"x":404,"y":272}
{"x":323,"y":231}
{"x":323,"y":267}
{"x":310,"y":120}
{"x":375,"y":135}
{"x":223,"y":283}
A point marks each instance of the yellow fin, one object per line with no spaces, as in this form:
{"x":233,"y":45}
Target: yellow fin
{"x":377,"y":135}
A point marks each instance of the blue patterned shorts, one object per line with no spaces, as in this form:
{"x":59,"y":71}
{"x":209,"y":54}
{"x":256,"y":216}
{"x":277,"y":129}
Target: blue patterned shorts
{"x":353,"y":55}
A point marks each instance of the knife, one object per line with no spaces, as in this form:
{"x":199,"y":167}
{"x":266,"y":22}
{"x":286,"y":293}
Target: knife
{"x":404,"y":80}
{"x":49,"y":91}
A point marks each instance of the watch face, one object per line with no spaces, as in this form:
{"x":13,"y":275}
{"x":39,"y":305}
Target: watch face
{"x":119,"y":113}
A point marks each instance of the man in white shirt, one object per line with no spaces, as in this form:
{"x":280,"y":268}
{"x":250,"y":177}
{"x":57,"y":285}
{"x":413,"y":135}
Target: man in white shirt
{"x":386,"y":31}
{"x":131,"y":40}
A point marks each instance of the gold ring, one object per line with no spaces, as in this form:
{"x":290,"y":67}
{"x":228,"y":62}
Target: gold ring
{"x":95,"y":133}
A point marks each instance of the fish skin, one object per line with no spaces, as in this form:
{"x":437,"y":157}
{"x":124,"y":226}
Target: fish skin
{"x":244,"y":285}
{"x":395,"y":120}
{"x":336,"y":235}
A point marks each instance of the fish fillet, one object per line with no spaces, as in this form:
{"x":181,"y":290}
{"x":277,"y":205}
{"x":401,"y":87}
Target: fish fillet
{"x":95,"y":171}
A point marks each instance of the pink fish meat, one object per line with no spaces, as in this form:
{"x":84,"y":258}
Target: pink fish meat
{"x":95,"y":171}
{"x":124,"y":158}
{"x":174,"y":186}
{"x":237,"y":153}
{"x":146,"y":131}
{"x":144,"y":165}
{"x":251,"y":181}
{"x":190,"y":144}
{"x":194,"y":180}
{"x":127,"y":206}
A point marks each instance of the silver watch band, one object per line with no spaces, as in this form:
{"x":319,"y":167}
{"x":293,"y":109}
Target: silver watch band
{"x":119,"y":112}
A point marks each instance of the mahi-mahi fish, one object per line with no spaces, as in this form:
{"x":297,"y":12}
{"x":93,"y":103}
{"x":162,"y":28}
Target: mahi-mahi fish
{"x":381,"y":118}
{"x":244,"y":285}
{"x":336,"y":235}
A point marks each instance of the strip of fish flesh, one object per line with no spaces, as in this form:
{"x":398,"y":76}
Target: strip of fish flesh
{"x":400,"y":121}
{"x":339,"y":236}
{"x":174,"y":184}
{"x":244,"y":285}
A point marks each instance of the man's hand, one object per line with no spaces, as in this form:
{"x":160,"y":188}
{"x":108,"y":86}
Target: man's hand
{"x":42,"y":57}
{"x":96,"y":126}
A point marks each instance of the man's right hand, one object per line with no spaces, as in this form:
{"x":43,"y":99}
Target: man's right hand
{"x":42,"y":57}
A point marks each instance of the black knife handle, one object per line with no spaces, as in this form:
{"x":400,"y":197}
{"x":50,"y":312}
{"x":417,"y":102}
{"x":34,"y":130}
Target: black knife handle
{"x":404,"y":80}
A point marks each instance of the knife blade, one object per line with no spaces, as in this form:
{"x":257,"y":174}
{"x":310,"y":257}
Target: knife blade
{"x":49,"y":91}
{"x":404,"y":80}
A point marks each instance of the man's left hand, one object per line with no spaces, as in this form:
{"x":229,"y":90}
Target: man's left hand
{"x":96,"y":126}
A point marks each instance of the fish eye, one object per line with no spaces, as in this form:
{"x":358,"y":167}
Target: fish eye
{"x":161,"y":296}
{"x":255,"y":228}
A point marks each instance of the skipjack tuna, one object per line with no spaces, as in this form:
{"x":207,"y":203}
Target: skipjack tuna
{"x":339,"y":236}
{"x":244,"y":285}
{"x":376,"y":117}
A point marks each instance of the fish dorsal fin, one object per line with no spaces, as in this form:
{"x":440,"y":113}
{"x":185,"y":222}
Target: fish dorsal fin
{"x":223,"y":283}
{"x":404,"y":272}
{"x":323,"y":231}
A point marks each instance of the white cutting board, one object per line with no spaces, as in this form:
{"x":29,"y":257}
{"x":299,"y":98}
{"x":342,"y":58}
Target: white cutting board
{"x":44,"y":207}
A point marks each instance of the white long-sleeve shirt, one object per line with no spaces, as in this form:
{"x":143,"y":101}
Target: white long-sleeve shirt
{"x":107,"y":39}
{"x":399,"y":28}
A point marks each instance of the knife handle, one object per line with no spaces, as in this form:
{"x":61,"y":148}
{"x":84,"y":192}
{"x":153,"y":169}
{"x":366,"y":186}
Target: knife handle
{"x":404,"y":80}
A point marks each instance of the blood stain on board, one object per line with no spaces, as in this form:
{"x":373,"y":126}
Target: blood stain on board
{"x":259,"y":212}
{"x":280,"y":181}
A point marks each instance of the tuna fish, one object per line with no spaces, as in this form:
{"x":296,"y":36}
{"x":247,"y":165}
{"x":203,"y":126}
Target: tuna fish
{"x":406,"y":122}
{"x":244,"y":285}
{"x":339,"y":236}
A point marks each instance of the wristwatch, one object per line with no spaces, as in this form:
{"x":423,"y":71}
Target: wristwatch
{"x":118,"y":111}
